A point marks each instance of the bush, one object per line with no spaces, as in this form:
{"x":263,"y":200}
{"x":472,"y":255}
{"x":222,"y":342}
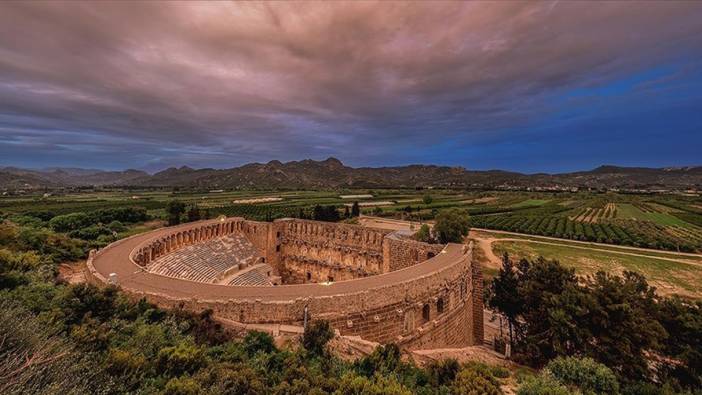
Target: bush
{"x":182,"y":386}
{"x":69,"y":222}
{"x":451,"y":226}
{"x":237,"y":379}
{"x":185,"y":357}
{"x":585,"y":374}
{"x":424,"y":234}
{"x":90,"y":232}
{"x":383,"y":360}
{"x":542,"y":385}
{"x":116,"y":226}
{"x":474,"y":379}
{"x":442,"y":372}
{"x":378,"y":385}
{"x":256,"y":342}
{"x":316,"y":336}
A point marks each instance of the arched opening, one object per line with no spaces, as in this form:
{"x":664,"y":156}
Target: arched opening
{"x":430,"y":255}
{"x":309,"y":276}
{"x":426,"y":310}
{"x":440,"y":306}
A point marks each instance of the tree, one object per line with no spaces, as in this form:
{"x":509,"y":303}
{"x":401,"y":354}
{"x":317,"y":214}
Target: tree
{"x":543,"y":385}
{"x":584,"y":374}
{"x":194,"y":213}
{"x":69,"y":222}
{"x":175,"y":210}
{"x":355,"y":210}
{"x":475,"y":379}
{"x":682,"y":320}
{"x":316,"y":336}
{"x":443,"y":371}
{"x":504,"y":294}
{"x":427,"y":199}
{"x":622,"y":323}
{"x":184,"y":357}
{"x":609,"y":318}
{"x":451,"y":226}
{"x":424,"y":234}
{"x":256,"y":341}
{"x":325,"y":213}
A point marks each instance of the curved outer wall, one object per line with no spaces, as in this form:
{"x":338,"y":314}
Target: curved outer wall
{"x":437,"y":303}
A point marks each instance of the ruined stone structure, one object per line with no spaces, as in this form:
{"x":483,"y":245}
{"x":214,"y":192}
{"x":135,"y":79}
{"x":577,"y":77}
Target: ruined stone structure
{"x":380,"y":285}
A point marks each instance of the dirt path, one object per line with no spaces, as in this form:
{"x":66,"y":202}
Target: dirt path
{"x":584,"y":243}
{"x":486,"y":245}
{"x":72,"y":272}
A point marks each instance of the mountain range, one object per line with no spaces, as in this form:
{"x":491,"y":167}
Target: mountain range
{"x":331,"y":173}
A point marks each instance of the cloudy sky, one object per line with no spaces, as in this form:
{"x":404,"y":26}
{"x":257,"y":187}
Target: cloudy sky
{"x":527,"y":86}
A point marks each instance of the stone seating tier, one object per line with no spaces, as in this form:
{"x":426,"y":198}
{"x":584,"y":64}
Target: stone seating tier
{"x":206,"y":262}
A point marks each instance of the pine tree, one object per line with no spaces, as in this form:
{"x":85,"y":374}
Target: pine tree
{"x":355,"y":210}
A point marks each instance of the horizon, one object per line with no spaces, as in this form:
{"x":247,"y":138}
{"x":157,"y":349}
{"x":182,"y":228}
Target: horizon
{"x":54,"y":168}
{"x":529,"y":87}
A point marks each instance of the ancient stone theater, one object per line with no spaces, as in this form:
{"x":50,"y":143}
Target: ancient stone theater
{"x":377,"y":284}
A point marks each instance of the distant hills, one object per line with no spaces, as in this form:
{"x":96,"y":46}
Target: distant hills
{"x":331,"y":173}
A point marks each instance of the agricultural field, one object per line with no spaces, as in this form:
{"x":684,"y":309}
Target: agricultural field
{"x":665,"y":222}
{"x":670,"y":273}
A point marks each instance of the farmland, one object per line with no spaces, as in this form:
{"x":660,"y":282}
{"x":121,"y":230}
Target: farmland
{"x":656,"y":221}
{"x":671,"y":273}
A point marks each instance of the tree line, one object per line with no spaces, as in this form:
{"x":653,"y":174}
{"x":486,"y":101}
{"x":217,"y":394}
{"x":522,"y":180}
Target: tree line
{"x":619,"y":321}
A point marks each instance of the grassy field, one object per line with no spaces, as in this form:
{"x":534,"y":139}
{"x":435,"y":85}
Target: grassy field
{"x":667,"y":222}
{"x":629,"y":211}
{"x":680,"y":277}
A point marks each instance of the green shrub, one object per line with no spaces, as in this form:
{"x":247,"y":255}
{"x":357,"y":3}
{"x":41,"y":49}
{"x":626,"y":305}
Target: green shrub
{"x":185,"y":357}
{"x":442,"y":372}
{"x":424,"y":234}
{"x":475,"y":379}
{"x":585,"y":374}
{"x":92,"y":232}
{"x":123,"y":362}
{"x":182,"y":386}
{"x":316,"y":336}
{"x":383,"y":360}
{"x":116,"y":226}
{"x":256,"y":342}
{"x":377,"y":385}
{"x":451,"y":226}
{"x":543,"y":385}
{"x":69,"y":222}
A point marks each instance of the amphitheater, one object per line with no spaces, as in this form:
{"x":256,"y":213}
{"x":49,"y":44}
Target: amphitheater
{"x":375,"y":284}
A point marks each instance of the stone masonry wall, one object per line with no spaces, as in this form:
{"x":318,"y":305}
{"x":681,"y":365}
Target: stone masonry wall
{"x":312,"y":251}
{"x":399,"y":253}
{"x":443,"y":308}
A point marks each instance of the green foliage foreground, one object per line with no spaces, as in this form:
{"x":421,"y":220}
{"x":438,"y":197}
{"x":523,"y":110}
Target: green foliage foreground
{"x":617,"y":321}
{"x":62,"y":338}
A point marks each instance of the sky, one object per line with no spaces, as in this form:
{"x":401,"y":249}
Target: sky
{"x":525,"y":86}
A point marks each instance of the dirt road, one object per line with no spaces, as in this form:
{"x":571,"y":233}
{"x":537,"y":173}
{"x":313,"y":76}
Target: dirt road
{"x":486,"y":245}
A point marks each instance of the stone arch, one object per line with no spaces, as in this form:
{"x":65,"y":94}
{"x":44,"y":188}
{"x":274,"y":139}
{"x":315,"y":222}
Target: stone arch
{"x":426,"y":313}
{"x":440,"y":305}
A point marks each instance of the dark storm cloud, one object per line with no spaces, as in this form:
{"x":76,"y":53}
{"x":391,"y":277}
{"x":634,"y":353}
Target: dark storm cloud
{"x":218,"y":84}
